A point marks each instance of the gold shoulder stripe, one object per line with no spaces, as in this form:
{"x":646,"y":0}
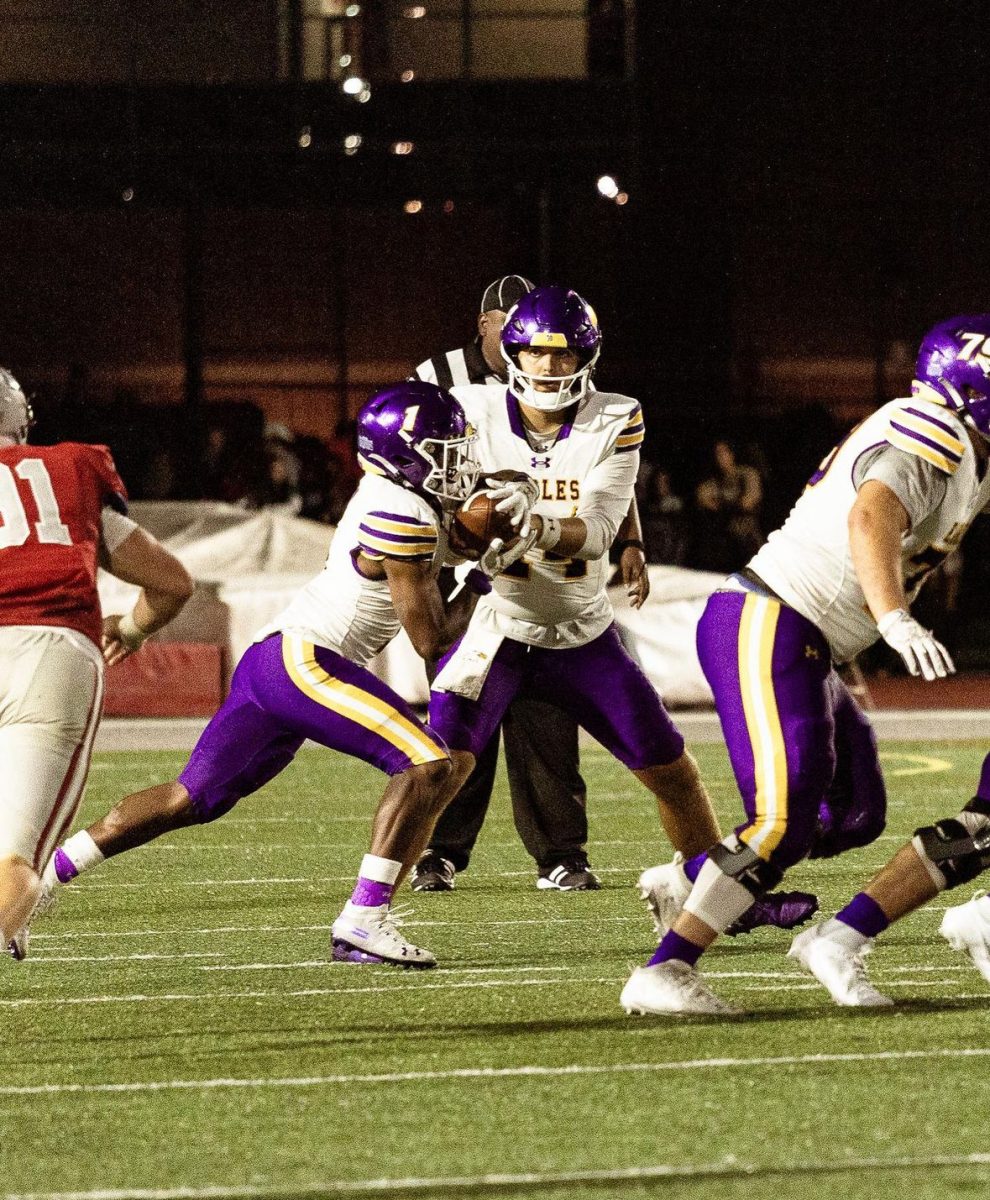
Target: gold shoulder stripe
{"x":410,"y":528}
{"x":397,"y":549}
{"x":928,"y":453}
{"x":931,"y":429}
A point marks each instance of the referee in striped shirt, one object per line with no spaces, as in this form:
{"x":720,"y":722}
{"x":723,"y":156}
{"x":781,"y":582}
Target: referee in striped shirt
{"x":541,"y":741}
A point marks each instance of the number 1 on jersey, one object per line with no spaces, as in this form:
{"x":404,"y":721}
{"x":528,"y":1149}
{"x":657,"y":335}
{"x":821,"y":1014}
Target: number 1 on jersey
{"x":15,"y":529}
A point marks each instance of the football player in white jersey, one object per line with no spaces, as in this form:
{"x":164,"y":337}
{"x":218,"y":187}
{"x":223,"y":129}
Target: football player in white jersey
{"x":305,"y":675}
{"x":890,"y":502}
{"x":547,"y":625}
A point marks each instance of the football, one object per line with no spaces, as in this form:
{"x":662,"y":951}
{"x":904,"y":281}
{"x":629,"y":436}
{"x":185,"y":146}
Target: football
{"x":475,"y":523}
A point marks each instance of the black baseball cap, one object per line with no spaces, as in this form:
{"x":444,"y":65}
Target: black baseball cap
{"x":505,"y":292}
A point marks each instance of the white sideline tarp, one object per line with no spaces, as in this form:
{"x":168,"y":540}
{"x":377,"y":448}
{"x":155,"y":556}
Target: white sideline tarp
{"x":252,"y":563}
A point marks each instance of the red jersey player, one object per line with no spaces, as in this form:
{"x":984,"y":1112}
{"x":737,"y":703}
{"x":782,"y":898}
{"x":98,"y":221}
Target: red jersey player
{"x":62,"y":513}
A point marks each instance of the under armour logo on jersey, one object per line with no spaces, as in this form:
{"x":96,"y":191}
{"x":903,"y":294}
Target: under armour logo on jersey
{"x":540,"y":462}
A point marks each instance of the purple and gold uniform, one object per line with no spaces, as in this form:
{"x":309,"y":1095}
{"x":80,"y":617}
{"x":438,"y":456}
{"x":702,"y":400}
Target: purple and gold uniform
{"x":548,"y":626}
{"x":804,"y":755}
{"x":305,"y":676}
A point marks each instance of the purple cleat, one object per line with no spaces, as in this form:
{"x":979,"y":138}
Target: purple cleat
{"x":783,"y":910}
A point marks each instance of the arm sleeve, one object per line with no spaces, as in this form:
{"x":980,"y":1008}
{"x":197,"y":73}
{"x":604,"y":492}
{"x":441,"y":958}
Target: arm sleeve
{"x":918,"y":484}
{"x":115,"y":528}
{"x":605,"y":498}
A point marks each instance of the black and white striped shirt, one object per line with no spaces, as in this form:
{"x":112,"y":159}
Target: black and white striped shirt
{"x":458,"y":367}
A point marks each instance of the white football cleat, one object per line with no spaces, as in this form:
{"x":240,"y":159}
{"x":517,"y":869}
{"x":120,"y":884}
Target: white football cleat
{"x":967,"y":927}
{"x":369,"y":935}
{"x":838,"y":968}
{"x":665,"y":888}
{"x":672,"y":987}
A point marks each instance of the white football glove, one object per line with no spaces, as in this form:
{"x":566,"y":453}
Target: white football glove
{"x":515,"y":497}
{"x":498,"y":556}
{"x":923,"y":654}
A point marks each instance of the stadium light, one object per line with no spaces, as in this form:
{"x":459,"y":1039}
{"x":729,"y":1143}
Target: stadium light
{"x":353,"y":85}
{"x":413,"y":206}
{"x":607,"y":187}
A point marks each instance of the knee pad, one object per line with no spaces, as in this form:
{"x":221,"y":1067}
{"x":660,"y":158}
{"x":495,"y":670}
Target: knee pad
{"x":955,"y":850}
{"x":745,"y":866}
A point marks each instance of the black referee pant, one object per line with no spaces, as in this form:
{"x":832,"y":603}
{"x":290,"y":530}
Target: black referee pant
{"x":548,"y":794}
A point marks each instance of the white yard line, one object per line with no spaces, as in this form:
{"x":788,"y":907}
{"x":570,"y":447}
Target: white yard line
{"x":279,"y":994}
{"x":528,"y":1071}
{"x":45,"y":959}
{"x":786,"y":983}
{"x":50,"y":939}
{"x":729,"y":1166}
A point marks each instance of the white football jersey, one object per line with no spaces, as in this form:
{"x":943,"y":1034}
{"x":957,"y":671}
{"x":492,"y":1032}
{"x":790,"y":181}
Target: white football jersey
{"x":808,"y":562}
{"x":340,"y":608}
{"x":546,"y":599}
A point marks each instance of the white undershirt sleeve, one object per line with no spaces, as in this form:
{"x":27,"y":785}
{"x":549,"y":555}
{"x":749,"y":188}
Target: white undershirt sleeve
{"x":115,"y":528}
{"x":606,"y":495}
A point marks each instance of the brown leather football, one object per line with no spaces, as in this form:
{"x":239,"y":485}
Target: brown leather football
{"x":475,"y":524}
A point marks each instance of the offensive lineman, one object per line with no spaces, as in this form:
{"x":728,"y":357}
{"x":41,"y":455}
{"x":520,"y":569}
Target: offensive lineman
{"x":62,"y":512}
{"x":887,"y":505}
{"x":953,"y":367}
{"x":305,"y":674}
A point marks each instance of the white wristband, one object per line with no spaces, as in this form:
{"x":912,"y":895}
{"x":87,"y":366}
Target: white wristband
{"x":549,"y":535}
{"x":891,"y":618}
{"x":130,"y":632}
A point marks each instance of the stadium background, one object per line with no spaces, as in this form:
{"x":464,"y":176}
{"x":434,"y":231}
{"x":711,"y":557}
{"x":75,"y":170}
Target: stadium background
{"x":217,"y":216}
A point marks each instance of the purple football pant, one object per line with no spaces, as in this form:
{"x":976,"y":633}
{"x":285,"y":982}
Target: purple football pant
{"x":284,"y":691}
{"x":598,"y":683}
{"x":804,"y":755}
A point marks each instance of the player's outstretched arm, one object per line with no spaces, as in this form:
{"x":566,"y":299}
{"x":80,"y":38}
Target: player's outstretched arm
{"x":165,"y":587}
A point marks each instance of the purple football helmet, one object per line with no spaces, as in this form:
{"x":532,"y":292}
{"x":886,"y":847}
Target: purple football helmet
{"x":551,"y":318}
{"x":416,"y":435}
{"x":16,"y":417}
{"x":954,"y":364}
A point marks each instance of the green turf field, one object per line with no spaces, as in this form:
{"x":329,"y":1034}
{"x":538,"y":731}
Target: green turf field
{"x":178,"y":1031}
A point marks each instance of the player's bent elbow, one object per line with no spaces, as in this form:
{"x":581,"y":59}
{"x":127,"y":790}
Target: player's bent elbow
{"x":183,"y":584}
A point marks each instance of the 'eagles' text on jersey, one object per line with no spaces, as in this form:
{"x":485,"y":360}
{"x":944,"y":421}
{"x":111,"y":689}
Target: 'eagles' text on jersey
{"x":808,"y":561}
{"x":340,"y":608}
{"x":546,"y":599}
